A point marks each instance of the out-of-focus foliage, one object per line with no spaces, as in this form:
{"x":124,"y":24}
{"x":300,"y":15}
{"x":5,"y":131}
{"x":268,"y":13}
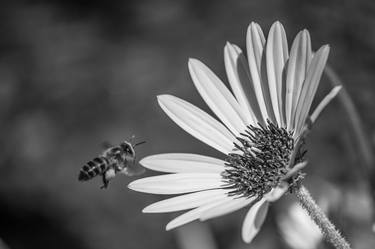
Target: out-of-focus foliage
{"x":76,"y":73}
{"x":297,"y":228}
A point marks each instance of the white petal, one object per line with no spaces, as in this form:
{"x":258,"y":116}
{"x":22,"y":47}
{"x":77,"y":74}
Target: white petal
{"x":193,"y":214}
{"x":234,"y":205}
{"x":254,"y":220}
{"x":327,"y":99}
{"x":310,"y":86}
{"x":186,"y":201}
{"x":198,"y":123}
{"x":183,"y":163}
{"x":298,"y":229}
{"x":177,"y":183}
{"x":254,"y":44}
{"x":217,"y":97}
{"x":239,"y":78}
{"x":277,"y":192}
{"x":300,"y":58}
{"x":276,"y":57}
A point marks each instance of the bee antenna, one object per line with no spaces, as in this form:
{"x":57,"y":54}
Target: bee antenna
{"x":132,"y":139}
{"x":139,"y":143}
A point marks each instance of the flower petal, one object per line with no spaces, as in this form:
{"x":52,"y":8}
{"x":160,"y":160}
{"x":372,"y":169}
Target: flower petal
{"x":198,"y":123}
{"x":310,"y":86}
{"x":183,"y":163}
{"x":323,"y":104}
{"x":238,"y":74}
{"x":300,"y":58}
{"x":276,"y":57}
{"x":177,"y":183}
{"x":217,"y":97}
{"x":254,"y":45}
{"x":254,"y":220}
{"x":298,"y":229}
{"x":186,"y":201}
{"x":234,"y":205}
{"x":194,"y":214}
{"x":277,"y":192}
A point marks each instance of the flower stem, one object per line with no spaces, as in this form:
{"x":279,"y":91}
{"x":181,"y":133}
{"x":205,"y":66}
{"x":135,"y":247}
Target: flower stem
{"x":364,"y":146}
{"x":317,"y":215}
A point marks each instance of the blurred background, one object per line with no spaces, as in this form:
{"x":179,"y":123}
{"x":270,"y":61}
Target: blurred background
{"x":76,"y":73}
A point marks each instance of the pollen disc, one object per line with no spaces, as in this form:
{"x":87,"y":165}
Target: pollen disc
{"x":259,"y":161}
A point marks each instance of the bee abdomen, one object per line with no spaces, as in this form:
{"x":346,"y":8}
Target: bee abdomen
{"x":93,"y":168}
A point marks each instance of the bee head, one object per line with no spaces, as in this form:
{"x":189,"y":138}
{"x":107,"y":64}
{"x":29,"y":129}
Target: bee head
{"x":127,"y":148}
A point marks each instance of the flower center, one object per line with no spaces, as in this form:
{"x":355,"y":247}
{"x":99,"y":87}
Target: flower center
{"x":260,"y":161}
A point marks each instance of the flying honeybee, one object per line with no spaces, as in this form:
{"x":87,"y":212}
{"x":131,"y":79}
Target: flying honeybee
{"x":114,"y":160}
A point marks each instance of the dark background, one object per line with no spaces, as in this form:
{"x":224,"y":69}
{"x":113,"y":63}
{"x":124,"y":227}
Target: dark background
{"x":76,"y":73}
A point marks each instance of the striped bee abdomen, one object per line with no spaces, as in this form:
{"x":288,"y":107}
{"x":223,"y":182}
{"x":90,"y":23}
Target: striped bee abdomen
{"x":93,"y":168}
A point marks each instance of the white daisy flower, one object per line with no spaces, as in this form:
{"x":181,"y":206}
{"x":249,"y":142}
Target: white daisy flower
{"x":261,"y":122}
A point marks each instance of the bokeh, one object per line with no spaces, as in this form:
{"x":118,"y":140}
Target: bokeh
{"x":74,"y":74}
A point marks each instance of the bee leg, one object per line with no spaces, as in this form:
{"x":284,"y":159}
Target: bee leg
{"x":105,"y":182}
{"x":108,"y":175}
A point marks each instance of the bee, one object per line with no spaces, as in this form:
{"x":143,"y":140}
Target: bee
{"x":114,"y":160}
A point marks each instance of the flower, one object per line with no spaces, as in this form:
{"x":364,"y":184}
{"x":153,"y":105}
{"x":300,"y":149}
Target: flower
{"x":262,"y":123}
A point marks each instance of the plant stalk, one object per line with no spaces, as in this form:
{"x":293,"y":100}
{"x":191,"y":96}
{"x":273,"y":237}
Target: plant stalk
{"x":329,"y":231}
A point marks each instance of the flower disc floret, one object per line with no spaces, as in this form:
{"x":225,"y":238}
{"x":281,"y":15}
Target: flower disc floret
{"x":262,"y":162}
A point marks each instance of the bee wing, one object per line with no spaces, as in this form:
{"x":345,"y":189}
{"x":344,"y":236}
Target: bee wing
{"x":106,"y":145}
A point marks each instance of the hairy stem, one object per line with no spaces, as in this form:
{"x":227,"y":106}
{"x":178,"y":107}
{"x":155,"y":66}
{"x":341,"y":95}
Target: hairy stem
{"x":318,"y":216}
